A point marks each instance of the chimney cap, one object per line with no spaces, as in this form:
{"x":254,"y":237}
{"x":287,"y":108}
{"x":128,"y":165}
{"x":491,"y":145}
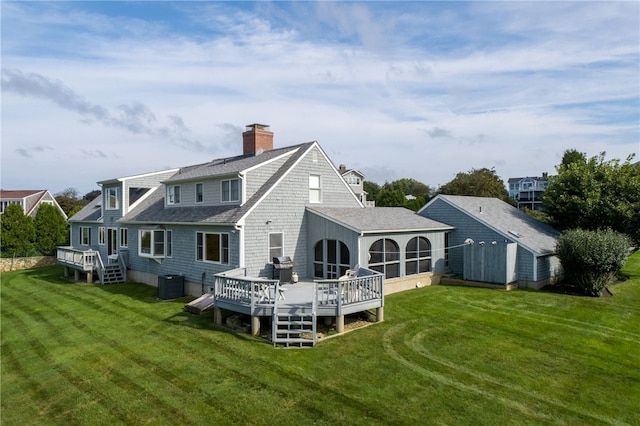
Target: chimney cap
{"x":257,"y":126}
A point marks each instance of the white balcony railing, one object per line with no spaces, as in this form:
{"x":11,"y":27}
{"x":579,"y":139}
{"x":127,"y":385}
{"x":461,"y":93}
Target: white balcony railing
{"x":84,"y":260}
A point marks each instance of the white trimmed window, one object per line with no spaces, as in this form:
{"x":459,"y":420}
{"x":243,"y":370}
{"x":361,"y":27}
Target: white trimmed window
{"x":111,"y":199}
{"x":230,"y":190}
{"x":212,"y":247}
{"x":276,"y":245}
{"x":173,"y":194}
{"x":151,"y":243}
{"x":315,"y":194}
{"x":199,"y":193}
{"x":101,"y":235}
{"x":85,"y":236}
{"x":124,"y":237}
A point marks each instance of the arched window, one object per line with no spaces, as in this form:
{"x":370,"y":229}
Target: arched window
{"x":330,"y":259}
{"x":384,"y":257}
{"x":418,"y":256}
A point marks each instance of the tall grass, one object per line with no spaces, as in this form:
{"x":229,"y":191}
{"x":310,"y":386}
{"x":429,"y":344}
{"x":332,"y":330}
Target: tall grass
{"x":90,"y":354}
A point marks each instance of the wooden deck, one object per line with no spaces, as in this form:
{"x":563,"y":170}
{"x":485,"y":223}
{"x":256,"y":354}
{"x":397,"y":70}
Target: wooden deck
{"x":260,"y":296}
{"x":359,"y":291}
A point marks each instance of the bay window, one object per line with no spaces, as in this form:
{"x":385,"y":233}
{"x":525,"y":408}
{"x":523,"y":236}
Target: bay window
{"x":152,"y":242}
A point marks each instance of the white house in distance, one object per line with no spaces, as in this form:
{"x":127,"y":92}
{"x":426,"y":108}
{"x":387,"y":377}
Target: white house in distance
{"x":29,"y":200}
{"x":355,"y":179}
{"x":527,"y":191}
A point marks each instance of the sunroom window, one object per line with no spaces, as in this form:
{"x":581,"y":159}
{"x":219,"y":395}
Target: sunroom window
{"x":384,"y":257}
{"x":418,"y":255}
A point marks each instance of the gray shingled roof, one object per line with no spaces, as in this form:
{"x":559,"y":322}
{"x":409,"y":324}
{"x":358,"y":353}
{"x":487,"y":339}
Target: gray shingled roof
{"x":379,"y":219}
{"x":152,"y":209}
{"x":89,"y":213}
{"x":227,"y":166}
{"x":507,"y":220}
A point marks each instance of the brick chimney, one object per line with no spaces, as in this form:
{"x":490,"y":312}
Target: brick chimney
{"x":257,"y":138}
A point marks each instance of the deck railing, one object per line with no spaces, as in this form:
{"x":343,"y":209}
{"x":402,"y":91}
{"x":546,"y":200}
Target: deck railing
{"x":248,"y":291}
{"x":366,"y":285}
{"x":81,"y":259}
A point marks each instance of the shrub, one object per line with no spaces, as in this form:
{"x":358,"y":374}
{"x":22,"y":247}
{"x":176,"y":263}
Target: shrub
{"x":592,"y":259}
{"x":18,"y":231}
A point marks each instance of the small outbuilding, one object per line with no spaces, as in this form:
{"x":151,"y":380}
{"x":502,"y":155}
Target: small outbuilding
{"x":497,"y":243}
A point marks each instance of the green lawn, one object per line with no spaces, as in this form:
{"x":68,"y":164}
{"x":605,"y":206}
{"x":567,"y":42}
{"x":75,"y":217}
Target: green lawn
{"x":89,"y":354}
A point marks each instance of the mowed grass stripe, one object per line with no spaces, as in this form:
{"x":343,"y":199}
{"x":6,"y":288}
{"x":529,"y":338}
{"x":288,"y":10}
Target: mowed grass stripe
{"x":394,"y":348}
{"x":44,"y":388}
{"x":61,"y":387}
{"x":419,"y":343}
{"x":111,"y":353}
{"x":578,"y":325}
{"x":84,"y":372}
{"x":122,"y":359}
{"x":234,"y":363}
{"x":563,"y":362}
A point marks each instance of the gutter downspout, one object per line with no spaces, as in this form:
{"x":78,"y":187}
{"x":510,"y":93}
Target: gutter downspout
{"x":241,"y":257}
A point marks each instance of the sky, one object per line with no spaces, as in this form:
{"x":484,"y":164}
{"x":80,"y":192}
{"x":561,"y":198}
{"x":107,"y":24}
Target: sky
{"x":424,"y":90}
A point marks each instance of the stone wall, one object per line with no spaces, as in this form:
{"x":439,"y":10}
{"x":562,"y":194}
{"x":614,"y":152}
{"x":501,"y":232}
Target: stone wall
{"x":14,"y":264}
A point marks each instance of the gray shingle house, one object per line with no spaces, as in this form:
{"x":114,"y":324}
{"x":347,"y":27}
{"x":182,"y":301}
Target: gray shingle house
{"x":495,"y":242}
{"x":226,"y":222}
{"x":29,"y":200}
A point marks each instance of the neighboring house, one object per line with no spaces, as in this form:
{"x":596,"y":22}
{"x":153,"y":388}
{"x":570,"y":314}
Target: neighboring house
{"x":234,"y":217}
{"x":528,"y":191}
{"x":355,"y":179}
{"x":495,"y":242}
{"x":30,"y":201}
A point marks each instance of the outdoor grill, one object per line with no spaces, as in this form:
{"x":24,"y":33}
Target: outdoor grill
{"x":283,"y":269}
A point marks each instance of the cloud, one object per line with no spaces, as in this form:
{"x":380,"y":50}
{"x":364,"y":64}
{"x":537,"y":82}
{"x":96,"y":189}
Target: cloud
{"x":134,"y":117}
{"x":94,"y":154}
{"x":29,"y":151}
{"x":438,"y":132}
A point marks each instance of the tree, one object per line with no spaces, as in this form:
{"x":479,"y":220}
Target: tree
{"x":390,"y":197}
{"x":477,"y":182}
{"x":573,"y":156}
{"x":416,"y":203}
{"x":372,"y":189}
{"x":592,"y":259}
{"x":51,"y":229}
{"x":18,"y":232}
{"x":69,"y":199}
{"x":410,"y":186}
{"x":595,"y":194}
{"x":91,"y":195}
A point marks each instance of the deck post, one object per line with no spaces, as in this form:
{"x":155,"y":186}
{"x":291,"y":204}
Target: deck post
{"x":66,"y":272}
{"x":217,"y":316}
{"x":89,"y":277}
{"x":76,"y":275}
{"x":380,"y":314}
{"x":340,"y":323}
{"x":255,"y":325}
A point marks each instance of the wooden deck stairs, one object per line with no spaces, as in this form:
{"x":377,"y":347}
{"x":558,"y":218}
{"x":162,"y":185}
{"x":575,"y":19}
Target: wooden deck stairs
{"x":294,"y":326}
{"x":113,"y":274}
